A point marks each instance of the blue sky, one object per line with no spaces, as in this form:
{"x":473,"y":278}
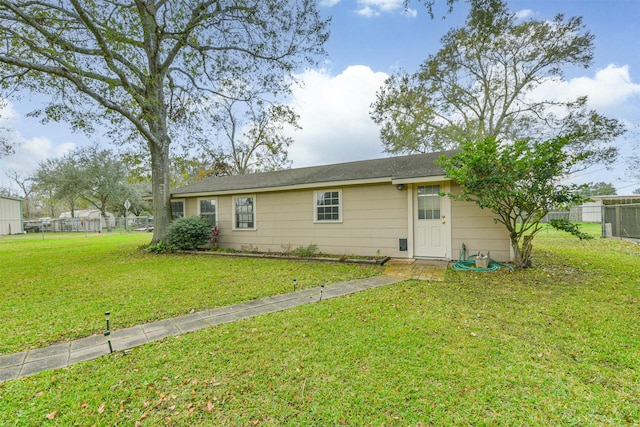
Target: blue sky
{"x":371,"y":39}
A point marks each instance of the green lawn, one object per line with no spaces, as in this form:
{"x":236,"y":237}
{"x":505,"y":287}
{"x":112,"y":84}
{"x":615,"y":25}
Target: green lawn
{"x":59,"y":288}
{"x":558,"y":344}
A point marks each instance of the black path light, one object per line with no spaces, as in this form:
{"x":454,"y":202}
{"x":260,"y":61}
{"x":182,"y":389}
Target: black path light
{"x":107,"y":333}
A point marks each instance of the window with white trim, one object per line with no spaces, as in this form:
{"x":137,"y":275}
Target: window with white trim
{"x":208,"y":210}
{"x":429,"y":202}
{"x":328,"y":206}
{"x":177,"y":209}
{"x":244,"y":213}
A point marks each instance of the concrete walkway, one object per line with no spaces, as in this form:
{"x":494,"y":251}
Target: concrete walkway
{"x":416,"y":269}
{"x":62,"y":355}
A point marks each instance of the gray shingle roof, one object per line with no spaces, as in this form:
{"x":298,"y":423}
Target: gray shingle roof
{"x":393,"y":168}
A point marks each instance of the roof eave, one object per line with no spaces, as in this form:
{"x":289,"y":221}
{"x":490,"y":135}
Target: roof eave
{"x":253,"y":190}
{"x":324,"y":184}
{"x":419,"y":179}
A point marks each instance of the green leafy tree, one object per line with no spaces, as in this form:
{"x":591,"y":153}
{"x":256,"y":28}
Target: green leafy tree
{"x":137,"y":194}
{"x":482,"y":83}
{"x":516,"y":181}
{"x":90,"y":176}
{"x":58,"y":180}
{"x":102,"y":178}
{"x":181,"y":168}
{"x":6,"y":145}
{"x":149,"y":68}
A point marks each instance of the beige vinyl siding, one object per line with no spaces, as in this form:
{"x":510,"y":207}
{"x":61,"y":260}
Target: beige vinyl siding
{"x":478,"y":230}
{"x":190,"y":206}
{"x":374,"y":217}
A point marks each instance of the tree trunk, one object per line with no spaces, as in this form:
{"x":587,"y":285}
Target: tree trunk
{"x":522,"y":254}
{"x":161,"y":190}
{"x":103,"y":213}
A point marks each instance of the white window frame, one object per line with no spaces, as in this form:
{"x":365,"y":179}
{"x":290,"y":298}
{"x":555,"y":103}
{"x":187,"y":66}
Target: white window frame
{"x":429,"y":196}
{"x":315,"y":207}
{"x":184,"y":208}
{"x":213,"y":199}
{"x":235,"y":218}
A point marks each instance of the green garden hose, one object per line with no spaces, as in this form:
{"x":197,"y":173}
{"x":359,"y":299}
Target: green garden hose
{"x":469,"y":263}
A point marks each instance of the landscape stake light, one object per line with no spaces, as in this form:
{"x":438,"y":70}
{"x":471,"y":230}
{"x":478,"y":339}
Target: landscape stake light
{"x":295,"y":284}
{"x":321,"y":289}
{"x":107,"y":333}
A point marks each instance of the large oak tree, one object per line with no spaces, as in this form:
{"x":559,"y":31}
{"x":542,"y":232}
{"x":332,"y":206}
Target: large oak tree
{"x":483,"y":81}
{"x":150,"y":68}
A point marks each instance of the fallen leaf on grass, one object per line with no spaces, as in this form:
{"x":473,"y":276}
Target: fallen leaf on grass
{"x":52,"y":415}
{"x":101,"y":408}
{"x":84,"y":405}
{"x":209,"y":406}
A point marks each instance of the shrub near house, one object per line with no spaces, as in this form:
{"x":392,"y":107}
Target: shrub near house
{"x":189,"y":233}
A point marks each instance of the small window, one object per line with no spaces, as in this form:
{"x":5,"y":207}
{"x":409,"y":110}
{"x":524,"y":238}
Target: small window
{"x":177,"y":209}
{"x":429,"y":202}
{"x":328,"y":206}
{"x":244,"y":213}
{"x":208,"y":210}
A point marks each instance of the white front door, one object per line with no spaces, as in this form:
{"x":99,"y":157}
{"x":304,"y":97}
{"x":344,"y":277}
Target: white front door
{"x":431,"y":221}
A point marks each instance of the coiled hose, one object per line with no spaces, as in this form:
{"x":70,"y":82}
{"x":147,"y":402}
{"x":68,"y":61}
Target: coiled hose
{"x":469,"y":264}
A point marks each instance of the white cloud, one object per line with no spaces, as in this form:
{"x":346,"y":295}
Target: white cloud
{"x":367,"y":12}
{"x":369,"y":8}
{"x":329,"y":3}
{"x":334,"y":115}
{"x":29,"y":152}
{"x":524,"y":14}
{"x":7,"y":112}
{"x":610,"y":91}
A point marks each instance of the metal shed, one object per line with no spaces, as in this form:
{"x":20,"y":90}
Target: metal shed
{"x":11,"y":215}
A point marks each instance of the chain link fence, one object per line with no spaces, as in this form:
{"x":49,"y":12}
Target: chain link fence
{"x":577,"y":214}
{"x":70,"y":225}
{"x":621,"y":221}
